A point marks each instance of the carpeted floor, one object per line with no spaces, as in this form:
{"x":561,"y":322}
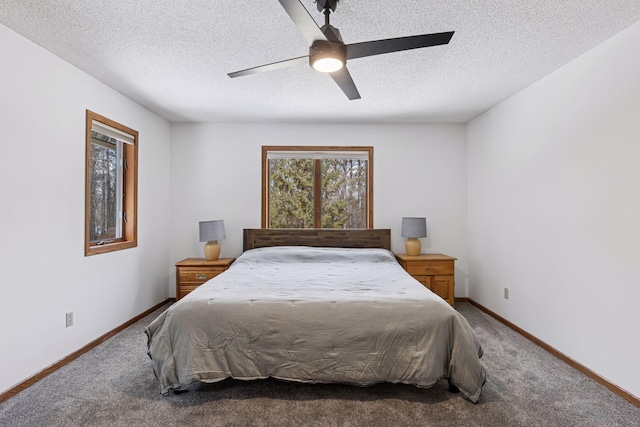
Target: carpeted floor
{"x":113,"y":385}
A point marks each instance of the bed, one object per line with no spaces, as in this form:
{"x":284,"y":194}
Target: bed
{"x":316,"y":313}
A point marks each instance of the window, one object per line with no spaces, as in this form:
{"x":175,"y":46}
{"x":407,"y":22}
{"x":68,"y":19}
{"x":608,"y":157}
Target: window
{"x":111,"y":186}
{"x":317,"y":187}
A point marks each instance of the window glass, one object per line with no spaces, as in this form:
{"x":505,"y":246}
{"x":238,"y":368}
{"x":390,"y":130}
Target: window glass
{"x":106,"y":189}
{"x":291,"y":193}
{"x":344,"y":193}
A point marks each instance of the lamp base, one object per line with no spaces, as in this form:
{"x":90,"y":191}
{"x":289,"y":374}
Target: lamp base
{"x":413,"y":246}
{"x":212,"y":250}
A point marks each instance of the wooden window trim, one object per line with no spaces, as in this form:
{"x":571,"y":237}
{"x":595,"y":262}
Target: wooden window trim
{"x":130,"y":187}
{"x":265,"y":176}
{"x":317,"y":193}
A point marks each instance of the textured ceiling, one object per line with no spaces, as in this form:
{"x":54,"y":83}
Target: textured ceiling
{"x":173,"y":56}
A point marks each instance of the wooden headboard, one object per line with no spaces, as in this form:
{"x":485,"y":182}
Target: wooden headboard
{"x":317,"y":237}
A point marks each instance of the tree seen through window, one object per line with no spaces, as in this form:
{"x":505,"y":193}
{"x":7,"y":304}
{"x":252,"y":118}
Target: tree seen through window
{"x":323,"y":190}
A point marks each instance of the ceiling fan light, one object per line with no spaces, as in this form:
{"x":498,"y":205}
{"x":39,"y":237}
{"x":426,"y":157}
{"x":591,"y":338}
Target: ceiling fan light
{"x":327,"y":57}
{"x":327,"y":64}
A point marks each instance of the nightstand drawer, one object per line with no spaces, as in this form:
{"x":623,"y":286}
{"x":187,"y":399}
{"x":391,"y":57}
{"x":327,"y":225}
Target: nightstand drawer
{"x":424,"y":280}
{"x":196,"y":275}
{"x":430,"y":268}
{"x":185,"y":289}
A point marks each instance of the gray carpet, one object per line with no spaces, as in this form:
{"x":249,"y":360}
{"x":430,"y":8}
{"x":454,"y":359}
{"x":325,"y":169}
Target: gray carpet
{"x":113,"y":385}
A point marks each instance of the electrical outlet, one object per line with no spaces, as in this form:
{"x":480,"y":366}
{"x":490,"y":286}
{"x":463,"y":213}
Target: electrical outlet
{"x":506,"y":293}
{"x":69,"y":318}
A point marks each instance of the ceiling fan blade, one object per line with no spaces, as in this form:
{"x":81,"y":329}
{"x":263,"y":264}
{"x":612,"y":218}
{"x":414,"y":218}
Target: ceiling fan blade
{"x":302,"y":60}
{"x":345,"y":82}
{"x":377,"y":47}
{"x":305,"y":23}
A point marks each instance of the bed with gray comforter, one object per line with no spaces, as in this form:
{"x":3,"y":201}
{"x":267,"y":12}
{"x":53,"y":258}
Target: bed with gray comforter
{"x":315,"y":315}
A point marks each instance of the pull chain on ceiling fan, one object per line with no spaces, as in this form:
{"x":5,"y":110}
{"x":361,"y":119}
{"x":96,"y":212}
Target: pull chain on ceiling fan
{"x":329,"y":54}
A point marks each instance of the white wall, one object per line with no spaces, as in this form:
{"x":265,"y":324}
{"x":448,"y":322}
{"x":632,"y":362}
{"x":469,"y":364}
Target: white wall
{"x":554,"y":209}
{"x":419,"y":170}
{"x":43,"y":270}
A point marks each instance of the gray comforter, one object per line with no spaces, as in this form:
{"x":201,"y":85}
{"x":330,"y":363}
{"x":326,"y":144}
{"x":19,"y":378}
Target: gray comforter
{"x":315,"y":315}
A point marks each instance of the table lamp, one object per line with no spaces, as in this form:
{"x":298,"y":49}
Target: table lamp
{"x":211,"y":232}
{"x":413,"y":229}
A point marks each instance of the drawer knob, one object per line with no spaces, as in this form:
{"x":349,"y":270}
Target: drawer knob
{"x":201,"y":276}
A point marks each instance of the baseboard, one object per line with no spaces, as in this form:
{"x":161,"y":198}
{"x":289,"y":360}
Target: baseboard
{"x":60,"y":363}
{"x":588,"y":372}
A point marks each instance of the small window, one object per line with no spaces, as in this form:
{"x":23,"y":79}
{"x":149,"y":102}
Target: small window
{"x":111,"y":186}
{"x":317,"y":187}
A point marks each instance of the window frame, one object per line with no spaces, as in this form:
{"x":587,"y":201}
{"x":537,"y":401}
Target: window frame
{"x":129,"y":180}
{"x":266,"y":149}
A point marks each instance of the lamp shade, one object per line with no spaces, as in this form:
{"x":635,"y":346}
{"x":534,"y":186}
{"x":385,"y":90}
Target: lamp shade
{"x":212,"y":230}
{"x":413,"y":227}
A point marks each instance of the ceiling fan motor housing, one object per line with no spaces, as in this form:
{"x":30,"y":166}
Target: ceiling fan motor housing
{"x":322,"y":49}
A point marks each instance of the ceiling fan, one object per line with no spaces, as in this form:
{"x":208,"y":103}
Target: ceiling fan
{"x":329,"y":54}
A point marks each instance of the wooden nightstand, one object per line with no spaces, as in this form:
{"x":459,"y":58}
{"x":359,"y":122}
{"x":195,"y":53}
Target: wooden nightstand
{"x":434,"y":271}
{"x":193,"y":272}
